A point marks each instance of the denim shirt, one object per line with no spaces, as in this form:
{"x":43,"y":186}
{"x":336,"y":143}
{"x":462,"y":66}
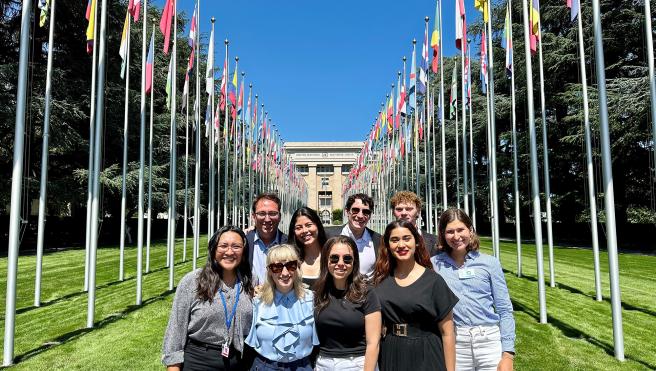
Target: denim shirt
{"x":483,"y":294}
{"x":284,"y":331}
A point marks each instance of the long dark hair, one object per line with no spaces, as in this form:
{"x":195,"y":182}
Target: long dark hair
{"x":209,"y":278}
{"x":386,"y":264}
{"x":451,"y":215}
{"x":314,"y":217}
{"x":356,"y":287}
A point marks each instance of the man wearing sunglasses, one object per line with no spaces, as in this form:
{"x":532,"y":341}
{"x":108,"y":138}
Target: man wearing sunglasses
{"x":359,"y":208}
{"x":407,"y":205}
{"x":266,"y":213}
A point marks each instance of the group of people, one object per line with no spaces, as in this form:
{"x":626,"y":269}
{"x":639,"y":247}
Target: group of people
{"x":343,"y":297}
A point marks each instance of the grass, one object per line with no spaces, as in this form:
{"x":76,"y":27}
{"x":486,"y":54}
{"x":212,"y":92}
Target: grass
{"x":578,"y":336}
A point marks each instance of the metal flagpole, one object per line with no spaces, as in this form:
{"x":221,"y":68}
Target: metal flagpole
{"x":493,"y":135}
{"x":592,"y":193}
{"x":211,"y":141}
{"x":150,"y":165}
{"x":609,"y":192}
{"x":44,"y":163}
{"x":226,"y":149}
{"x":652,"y":79}
{"x":142,"y":156}
{"x":173,"y":160}
{"x":545,"y":155}
{"x":97,"y":158}
{"x":186,"y":181}
{"x":444,"y":195}
{"x":535,"y":185}
{"x":518,"y":234}
{"x":471,"y":138}
{"x":235,"y":122}
{"x":121,"y":259}
{"x":16,"y":185}
{"x":455,"y":127}
{"x":465,"y":179}
{"x":197,"y":158}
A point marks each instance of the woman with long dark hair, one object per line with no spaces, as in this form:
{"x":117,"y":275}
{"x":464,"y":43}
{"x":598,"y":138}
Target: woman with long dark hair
{"x":416,"y":304}
{"x":306,"y":232}
{"x":213,"y":309}
{"x":347,"y":312}
{"x":485,"y":326}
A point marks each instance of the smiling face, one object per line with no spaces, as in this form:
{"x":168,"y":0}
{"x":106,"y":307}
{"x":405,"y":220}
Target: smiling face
{"x":457,"y":236}
{"x":284,"y":279}
{"x":340,"y":270}
{"x":229,"y":251}
{"x":305,"y":231}
{"x":402,"y":244}
{"x":267,"y":218}
{"x":358,"y":220}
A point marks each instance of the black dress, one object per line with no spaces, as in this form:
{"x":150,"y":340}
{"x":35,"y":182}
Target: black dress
{"x":421,"y":305}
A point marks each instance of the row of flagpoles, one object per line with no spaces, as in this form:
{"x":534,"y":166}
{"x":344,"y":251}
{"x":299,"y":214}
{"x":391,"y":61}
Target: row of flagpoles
{"x":254,"y":158}
{"x":390,"y":162}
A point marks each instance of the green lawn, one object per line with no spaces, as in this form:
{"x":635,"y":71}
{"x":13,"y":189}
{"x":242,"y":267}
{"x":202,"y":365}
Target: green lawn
{"x":578,"y":336}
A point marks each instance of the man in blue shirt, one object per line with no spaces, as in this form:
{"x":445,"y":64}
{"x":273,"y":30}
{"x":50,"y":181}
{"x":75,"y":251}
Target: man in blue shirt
{"x":266,"y":212}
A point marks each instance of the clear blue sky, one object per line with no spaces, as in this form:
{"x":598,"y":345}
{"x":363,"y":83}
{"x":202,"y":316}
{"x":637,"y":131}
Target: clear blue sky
{"x":322,"y":68}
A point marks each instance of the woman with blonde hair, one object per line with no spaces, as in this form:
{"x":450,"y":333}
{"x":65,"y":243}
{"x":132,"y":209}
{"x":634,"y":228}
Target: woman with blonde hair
{"x":283,"y":332}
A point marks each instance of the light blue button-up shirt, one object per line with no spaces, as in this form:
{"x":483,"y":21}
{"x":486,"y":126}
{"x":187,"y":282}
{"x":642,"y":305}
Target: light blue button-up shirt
{"x":259,"y":257}
{"x":481,"y":287}
{"x":284,"y":331}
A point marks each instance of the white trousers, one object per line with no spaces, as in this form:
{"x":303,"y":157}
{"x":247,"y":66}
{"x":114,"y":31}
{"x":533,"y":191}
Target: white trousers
{"x":478,"y":348}
{"x":343,"y":363}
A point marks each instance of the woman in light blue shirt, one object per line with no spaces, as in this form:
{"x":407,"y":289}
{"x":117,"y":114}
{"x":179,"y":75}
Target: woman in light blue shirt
{"x":485,"y":327}
{"x":283,"y":332}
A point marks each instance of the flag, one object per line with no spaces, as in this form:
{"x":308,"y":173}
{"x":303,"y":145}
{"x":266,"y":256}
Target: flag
{"x":149,"y":64}
{"x":435,"y":39}
{"x":208,"y":116}
{"x":534,"y":15}
{"x":209,"y":72}
{"x":123,"y":50}
{"x":44,"y":5}
{"x":453,"y":100}
{"x":165,"y":23}
{"x":506,"y":41}
{"x":482,"y":5}
{"x":240,"y":101}
{"x":468,"y":77}
{"x":461,"y":25}
{"x":573,"y":5}
{"x":413,"y":81}
{"x":232,"y":89}
{"x":390,"y":111}
{"x":91,"y":17}
{"x":134,"y":6}
{"x":401,"y":100}
{"x":185,"y":91}
{"x":224,"y":78}
{"x":192,"y":30}
{"x":169,"y":80}
{"x":422,"y":84}
{"x":483,"y":64}
{"x":466,"y":80}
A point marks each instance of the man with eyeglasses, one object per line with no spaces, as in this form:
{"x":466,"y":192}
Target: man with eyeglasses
{"x":407,"y":205}
{"x":359,"y":208}
{"x":266,"y":212}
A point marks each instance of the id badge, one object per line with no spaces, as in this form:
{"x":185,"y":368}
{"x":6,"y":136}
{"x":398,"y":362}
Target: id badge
{"x":225,"y":351}
{"x":465,"y":274}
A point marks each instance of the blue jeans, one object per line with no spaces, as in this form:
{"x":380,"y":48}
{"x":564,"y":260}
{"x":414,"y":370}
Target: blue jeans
{"x":263,"y":364}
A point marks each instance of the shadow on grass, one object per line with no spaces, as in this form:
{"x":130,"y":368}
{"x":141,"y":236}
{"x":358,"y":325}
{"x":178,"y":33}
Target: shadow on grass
{"x":574,"y":290}
{"x":78,"y":293}
{"x":72,"y":335}
{"x":575,"y":333}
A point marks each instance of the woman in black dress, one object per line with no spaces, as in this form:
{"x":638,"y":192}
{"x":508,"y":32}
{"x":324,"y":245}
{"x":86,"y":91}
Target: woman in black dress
{"x":307,"y":234}
{"x":416,"y":304}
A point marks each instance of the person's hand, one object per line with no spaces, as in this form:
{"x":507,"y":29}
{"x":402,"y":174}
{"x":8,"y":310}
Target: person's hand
{"x":506,"y":363}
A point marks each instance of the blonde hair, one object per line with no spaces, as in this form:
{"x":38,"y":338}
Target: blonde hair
{"x":279,"y":254}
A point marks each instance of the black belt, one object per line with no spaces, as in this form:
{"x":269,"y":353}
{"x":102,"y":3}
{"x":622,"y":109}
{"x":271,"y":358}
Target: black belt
{"x":408,"y":330}
{"x":205,"y":345}
{"x":298,"y":362}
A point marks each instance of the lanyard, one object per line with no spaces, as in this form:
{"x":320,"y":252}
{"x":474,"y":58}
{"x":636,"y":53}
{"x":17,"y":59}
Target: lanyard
{"x":228,"y":320}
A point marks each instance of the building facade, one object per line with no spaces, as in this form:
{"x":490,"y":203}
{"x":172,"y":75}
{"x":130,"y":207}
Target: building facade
{"x":325,"y":167}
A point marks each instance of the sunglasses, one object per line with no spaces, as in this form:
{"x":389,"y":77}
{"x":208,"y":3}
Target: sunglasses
{"x":334,"y":259}
{"x":278,"y":267}
{"x":356,"y":211}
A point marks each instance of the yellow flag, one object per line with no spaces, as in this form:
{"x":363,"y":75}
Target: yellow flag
{"x":482,"y":5}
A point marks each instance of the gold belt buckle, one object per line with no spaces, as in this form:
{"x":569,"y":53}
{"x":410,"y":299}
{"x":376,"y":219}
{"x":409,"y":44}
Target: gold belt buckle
{"x":401,"y":329}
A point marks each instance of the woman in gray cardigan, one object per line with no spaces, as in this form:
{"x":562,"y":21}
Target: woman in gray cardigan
{"x":213,"y":309}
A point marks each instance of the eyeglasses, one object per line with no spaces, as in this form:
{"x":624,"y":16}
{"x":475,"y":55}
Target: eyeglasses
{"x":277,"y":267}
{"x":231,"y":247}
{"x":264,"y":214}
{"x":356,"y":211}
{"x":334,"y":259}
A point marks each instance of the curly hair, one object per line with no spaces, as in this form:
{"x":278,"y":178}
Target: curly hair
{"x":451,"y":215}
{"x":385,"y":265}
{"x":405,"y":197}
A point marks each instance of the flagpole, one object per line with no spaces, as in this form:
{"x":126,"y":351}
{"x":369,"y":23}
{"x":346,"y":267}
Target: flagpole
{"x":471,"y":138}
{"x":609,"y":192}
{"x":545,"y":155}
{"x":465,"y":179}
{"x":43,"y":184}
{"x":235,"y":122}
{"x":518,"y":234}
{"x":186,"y":177}
{"x":173,"y":158}
{"x":211,"y":145}
{"x":197,"y":158}
{"x":444,"y":188}
{"x":121,"y":264}
{"x":493,"y":135}
{"x":150,"y":160}
{"x":592,"y":193}
{"x":535,"y":185}
{"x":16,"y":186}
{"x":225,"y":128}
{"x":652,"y":79}
{"x":455,"y":127}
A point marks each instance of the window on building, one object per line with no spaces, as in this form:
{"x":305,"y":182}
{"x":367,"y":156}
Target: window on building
{"x":325,"y":217}
{"x":325,"y":183}
{"x":325,"y":169}
{"x":346,"y":168}
{"x":302,"y":169}
{"x":325,"y":200}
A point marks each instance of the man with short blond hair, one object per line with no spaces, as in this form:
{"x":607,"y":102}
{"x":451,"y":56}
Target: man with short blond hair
{"x":407,"y":205}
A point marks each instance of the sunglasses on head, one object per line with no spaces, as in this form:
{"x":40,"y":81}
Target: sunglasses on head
{"x":334,"y":259}
{"x":278,"y":267}
{"x":356,"y":211}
